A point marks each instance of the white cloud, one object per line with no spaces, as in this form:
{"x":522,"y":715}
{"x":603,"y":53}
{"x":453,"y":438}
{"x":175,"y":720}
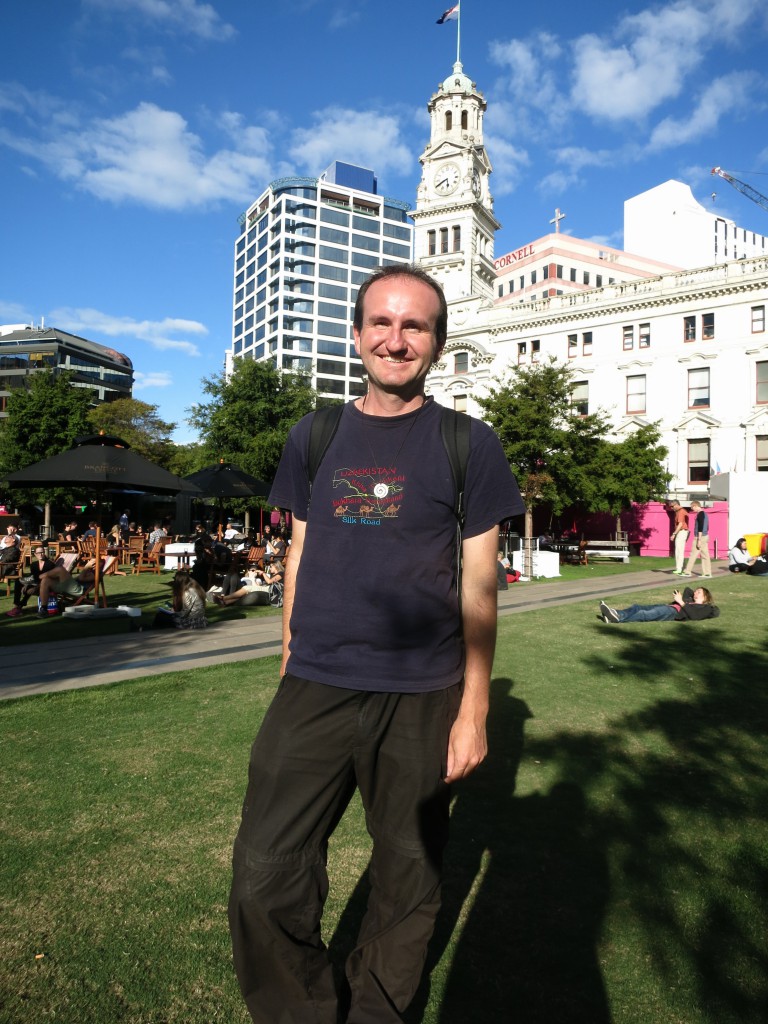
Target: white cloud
{"x":158,"y":379}
{"x":13,"y":313}
{"x":363,"y":137}
{"x":185,"y":16}
{"x":508,"y":164}
{"x":157,"y":333}
{"x":342,"y":18}
{"x":147,"y":155}
{"x":648,"y":58}
{"x":722,"y":98}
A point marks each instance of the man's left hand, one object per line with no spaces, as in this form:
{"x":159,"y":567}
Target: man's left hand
{"x":467,"y":748}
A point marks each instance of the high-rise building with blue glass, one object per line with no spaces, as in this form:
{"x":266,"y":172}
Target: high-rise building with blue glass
{"x":304,"y":247}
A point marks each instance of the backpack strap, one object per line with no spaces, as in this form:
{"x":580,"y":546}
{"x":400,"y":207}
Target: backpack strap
{"x":325,"y":423}
{"x":454,"y":429}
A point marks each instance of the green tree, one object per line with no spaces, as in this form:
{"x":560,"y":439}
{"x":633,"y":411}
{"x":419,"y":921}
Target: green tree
{"x":139,"y":424}
{"x":562,"y":457}
{"x":629,"y":471}
{"x":249,"y":415}
{"x":44,"y":418}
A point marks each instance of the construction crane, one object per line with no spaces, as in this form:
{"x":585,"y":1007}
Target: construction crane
{"x":741,"y":186}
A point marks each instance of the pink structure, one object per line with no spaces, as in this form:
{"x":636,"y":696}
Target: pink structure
{"x":649,"y":528}
{"x":652,"y":527}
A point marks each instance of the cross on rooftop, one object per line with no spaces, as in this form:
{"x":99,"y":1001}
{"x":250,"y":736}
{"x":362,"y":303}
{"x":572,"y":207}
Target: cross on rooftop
{"x":556,"y":220}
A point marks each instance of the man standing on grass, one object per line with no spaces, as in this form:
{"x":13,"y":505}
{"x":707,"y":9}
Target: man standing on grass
{"x":700,"y":545}
{"x":385,"y":676}
{"x":679,"y":536}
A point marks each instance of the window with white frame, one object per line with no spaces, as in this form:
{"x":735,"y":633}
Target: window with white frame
{"x":644,"y":336}
{"x":535,"y":350}
{"x":586,"y":343}
{"x":636,"y":393}
{"x":761,"y":375}
{"x":573,"y":346}
{"x":461,"y":362}
{"x":758,"y":319}
{"x":689,"y":328}
{"x":698,"y":388}
{"x":522,"y":348}
{"x":580,"y":397}
{"x":707,"y":326}
{"x":761,"y":453}
{"x":628,"y":337}
{"x":431,"y":243}
{"x":698,"y":461}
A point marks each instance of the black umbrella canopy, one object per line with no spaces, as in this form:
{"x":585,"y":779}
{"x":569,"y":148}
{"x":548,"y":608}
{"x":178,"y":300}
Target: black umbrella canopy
{"x":102,"y":462}
{"x":227,"y":481}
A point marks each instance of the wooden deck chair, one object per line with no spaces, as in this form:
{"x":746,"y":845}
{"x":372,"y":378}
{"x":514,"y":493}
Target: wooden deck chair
{"x":109,"y":566}
{"x":256,"y":557}
{"x":149,"y":560}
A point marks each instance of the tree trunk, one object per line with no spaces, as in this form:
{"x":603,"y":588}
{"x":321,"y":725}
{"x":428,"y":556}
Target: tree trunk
{"x":528,"y":543}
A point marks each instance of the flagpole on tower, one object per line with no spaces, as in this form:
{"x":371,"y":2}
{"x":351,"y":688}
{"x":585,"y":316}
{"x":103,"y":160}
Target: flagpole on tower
{"x":458,"y":37}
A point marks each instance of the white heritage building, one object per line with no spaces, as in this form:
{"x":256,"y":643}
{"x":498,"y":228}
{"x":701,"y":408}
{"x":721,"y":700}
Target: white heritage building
{"x":682,"y":341}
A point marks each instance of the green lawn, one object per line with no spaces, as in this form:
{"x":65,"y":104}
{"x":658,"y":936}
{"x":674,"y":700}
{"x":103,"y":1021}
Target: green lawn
{"x":609,"y":862}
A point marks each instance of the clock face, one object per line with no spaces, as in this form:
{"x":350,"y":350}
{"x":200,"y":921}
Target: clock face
{"x":476,"y":188}
{"x":446,"y":179}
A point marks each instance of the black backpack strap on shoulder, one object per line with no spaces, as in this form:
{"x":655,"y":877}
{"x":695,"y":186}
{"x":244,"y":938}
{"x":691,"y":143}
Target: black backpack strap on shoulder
{"x":455,"y":428}
{"x":325,"y":423}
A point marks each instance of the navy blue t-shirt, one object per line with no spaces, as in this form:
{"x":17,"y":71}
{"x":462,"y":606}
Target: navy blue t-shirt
{"x":375,"y":606}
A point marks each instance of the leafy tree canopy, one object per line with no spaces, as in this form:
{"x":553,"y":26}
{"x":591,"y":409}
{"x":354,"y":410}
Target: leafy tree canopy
{"x":549,"y":446}
{"x":563,"y":458}
{"x":249,"y":415}
{"x":44,"y":418}
{"x":139,"y":424}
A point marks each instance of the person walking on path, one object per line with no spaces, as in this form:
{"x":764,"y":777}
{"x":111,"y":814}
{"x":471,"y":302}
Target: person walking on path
{"x":700,"y":545}
{"x":679,"y":536}
{"x":384,"y":679}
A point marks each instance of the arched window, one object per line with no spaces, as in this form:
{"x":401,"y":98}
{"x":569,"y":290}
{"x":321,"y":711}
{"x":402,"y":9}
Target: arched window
{"x":448,"y":120}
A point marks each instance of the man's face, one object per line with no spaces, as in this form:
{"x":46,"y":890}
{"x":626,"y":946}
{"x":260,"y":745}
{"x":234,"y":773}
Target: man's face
{"x":397,"y":342}
{"x":10,"y":530}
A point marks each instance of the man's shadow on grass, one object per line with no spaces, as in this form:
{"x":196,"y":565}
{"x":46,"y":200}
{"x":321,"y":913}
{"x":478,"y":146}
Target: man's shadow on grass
{"x":523,"y":897}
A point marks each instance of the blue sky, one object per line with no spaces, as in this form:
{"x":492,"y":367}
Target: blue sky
{"x":134,"y":132}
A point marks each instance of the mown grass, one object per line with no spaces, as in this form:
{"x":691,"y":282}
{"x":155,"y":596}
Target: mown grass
{"x":608,"y":862}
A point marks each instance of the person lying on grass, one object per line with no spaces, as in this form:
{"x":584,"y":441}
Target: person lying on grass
{"x":691,"y":606}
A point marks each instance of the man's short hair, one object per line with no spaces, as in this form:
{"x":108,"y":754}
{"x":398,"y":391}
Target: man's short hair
{"x":417,"y":274}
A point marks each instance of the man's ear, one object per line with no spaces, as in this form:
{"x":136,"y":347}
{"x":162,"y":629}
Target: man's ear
{"x":356,"y":335}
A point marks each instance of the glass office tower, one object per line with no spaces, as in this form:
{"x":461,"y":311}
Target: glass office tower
{"x":304,"y":247}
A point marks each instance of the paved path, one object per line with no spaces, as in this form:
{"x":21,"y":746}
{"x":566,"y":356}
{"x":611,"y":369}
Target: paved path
{"x":71,"y":664}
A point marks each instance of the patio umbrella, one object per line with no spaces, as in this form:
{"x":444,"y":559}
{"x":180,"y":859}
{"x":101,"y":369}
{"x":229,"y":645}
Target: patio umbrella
{"x":223,"y":480}
{"x":102,"y":463}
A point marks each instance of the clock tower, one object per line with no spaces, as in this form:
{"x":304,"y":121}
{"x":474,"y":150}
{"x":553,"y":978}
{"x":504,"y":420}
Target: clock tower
{"x":454,"y":222}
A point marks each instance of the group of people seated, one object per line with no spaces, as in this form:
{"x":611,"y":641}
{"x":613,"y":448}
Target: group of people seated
{"x":234,"y":586}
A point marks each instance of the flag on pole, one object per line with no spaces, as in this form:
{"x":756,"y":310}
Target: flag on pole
{"x":451,"y":14}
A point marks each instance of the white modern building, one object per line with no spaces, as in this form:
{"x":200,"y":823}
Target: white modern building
{"x":666,"y":221}
{"x":304,"y":247}
{"x":662,"y":331}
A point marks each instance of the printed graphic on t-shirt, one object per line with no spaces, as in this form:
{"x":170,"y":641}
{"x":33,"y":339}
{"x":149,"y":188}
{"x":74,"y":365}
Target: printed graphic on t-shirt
{"x":367,"y":495}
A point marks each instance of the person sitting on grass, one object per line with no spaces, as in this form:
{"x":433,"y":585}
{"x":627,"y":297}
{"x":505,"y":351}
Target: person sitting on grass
{"x":59,"y":580}
{"x":26,"y":586}
{"x":187,"y":610}
{"x":691,"y":606}
{"x":739,"y":560}
{"x":253,"y":580}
